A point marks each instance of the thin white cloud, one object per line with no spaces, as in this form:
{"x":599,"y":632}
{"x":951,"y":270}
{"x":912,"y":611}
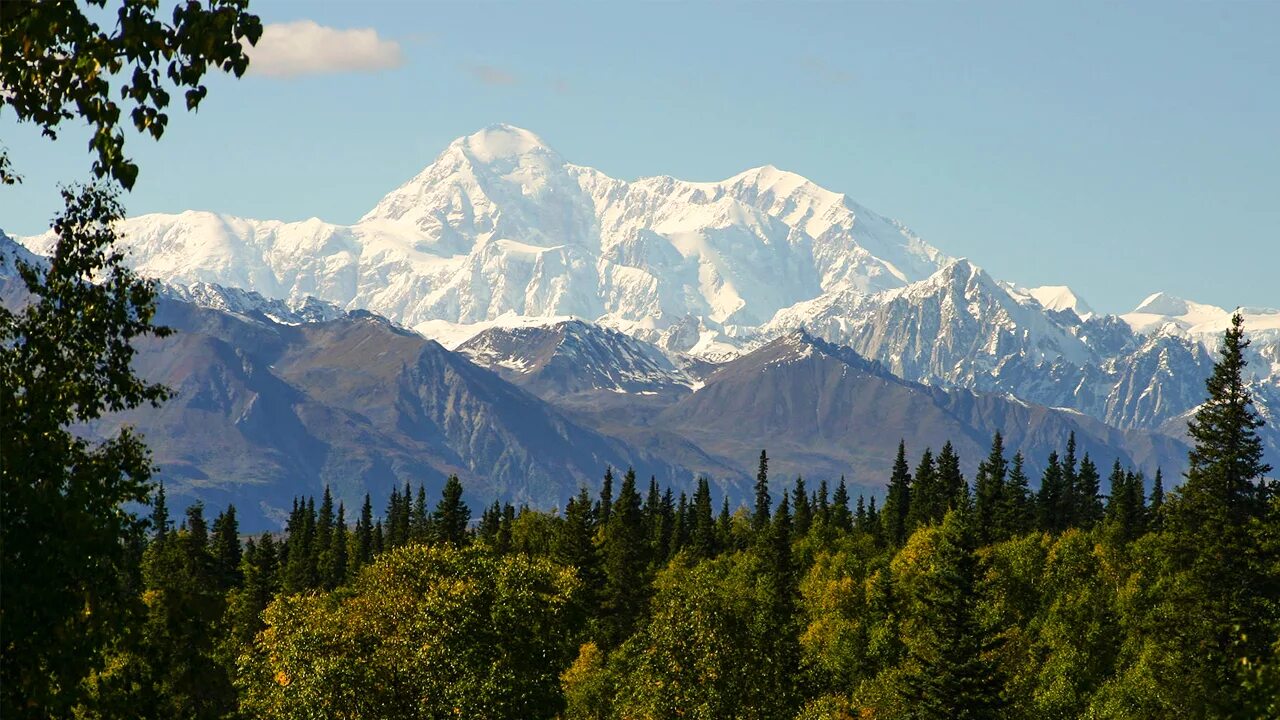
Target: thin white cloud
{"x":304,"y":47}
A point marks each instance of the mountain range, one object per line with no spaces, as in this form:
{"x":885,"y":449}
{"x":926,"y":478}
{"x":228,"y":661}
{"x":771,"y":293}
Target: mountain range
{"x":676,"y":325}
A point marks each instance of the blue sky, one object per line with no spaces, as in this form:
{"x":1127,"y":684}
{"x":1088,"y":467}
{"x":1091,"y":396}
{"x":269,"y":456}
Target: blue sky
{"x":1121,"y":149}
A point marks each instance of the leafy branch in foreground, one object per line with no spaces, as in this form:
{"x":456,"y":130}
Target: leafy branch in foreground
{"x":57,"y":64}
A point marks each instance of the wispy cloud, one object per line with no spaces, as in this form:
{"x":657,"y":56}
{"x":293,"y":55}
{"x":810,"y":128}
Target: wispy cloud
{"x":304,"y":47}
{"x":491,"y":75}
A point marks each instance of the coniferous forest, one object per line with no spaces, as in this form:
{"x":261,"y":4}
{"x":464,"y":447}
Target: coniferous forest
{"x":956,"y":598}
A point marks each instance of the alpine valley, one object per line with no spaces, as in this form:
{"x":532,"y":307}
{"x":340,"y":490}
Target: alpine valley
{"x":524,"y":322}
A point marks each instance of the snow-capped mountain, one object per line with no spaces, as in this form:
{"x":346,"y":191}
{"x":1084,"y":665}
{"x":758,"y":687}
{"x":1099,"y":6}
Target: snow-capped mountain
{"x":572,"y":284}
{"x":1059,"y":298}
{"x":1162,"y":311}
{"x":500,"y":223}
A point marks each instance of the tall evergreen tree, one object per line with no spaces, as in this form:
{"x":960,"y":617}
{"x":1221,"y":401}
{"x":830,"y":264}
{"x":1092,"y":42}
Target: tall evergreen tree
{"x":724,"y":527}
{"x":760,"y":516}
{"x":1087,"y":508}
{"x":324,"y":531}
{"x":491,"y":522}
{"x":875,"y":527}
{"x":823,"y":509}
{"x":1069,"y":480}
{"x":1053,"y":499}
{"x":651,"y":515}
{"x":897,"y":504}
{"x":605,"y":506}
{"x":334,"y":571}
{"x":575,"y":544}
{"x":989,"y":491}
{"x":226,"y":549}
{"x":928,"y":501}
{"x":505,"y":539}
{"x":450,"y":519}
{"x":160,"y":522}
{"x":1016,"y":514}
{"x":780,"y":562}
{"x":681,"y":528}
{"x":392,"y":517}
{"x":953,"y":673}
{"x":364,"y":533}
{"x":949,"y":477}
{"x":802,"y":515}
{"x":702,"y":536}
{"x":261,"y":583}
{"x":1155,"y":508}
{"x":624,"y":593}
{"x":841,"y":518}
{"x":298,"y":547}
{"x":1211,"y":520}
{"x":420,"y":529}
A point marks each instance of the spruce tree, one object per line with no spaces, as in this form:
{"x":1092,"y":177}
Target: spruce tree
{"x":724,"y":527}
{"x":324,"y":530}
{"x":928,"y":502}
{"x":823,"y":509}
{"x":897,"y":504}
{"x":779,"y":558}
{"x":1155,"y":508}
{"x":702,"y":540}
{"x":491,"y":521}
{"x":661,"y":522}
{"x":160,"y":522}
{"x":298,"y":549}
{"x":841,"y":519}
{"x":1053,"y":498}
{"x":392,"y":518}
{"x":949,"y":478}
{"x":1211,"y":521}
{"x":364,"y":533}
{"x":605,"y":506}
{"x":953,"y":674}
{"x":450,"y":519}
{"x":334,"y":572}
{"x":226,"y":549}
{"x":760,"y":516}
{"x":624,"y":593}
{"x":575,"y":543}
{"x":420,"y":529}
{"x":505,"y":540}
{"x":1016,"y":515}
{"x":1124,"y":508}
{"x":989,"y":491}
{"x":1087,"y":498}
{"x":245,"y":605}
{"x":681,"y":527}
{"x":802,"y":515}
{"x":1071,"y":492}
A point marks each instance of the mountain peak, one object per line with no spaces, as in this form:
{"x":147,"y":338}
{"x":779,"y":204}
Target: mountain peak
{"x":501,"y":141}
{"x":1061,"y":297}
{"x":1162,"y":303}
